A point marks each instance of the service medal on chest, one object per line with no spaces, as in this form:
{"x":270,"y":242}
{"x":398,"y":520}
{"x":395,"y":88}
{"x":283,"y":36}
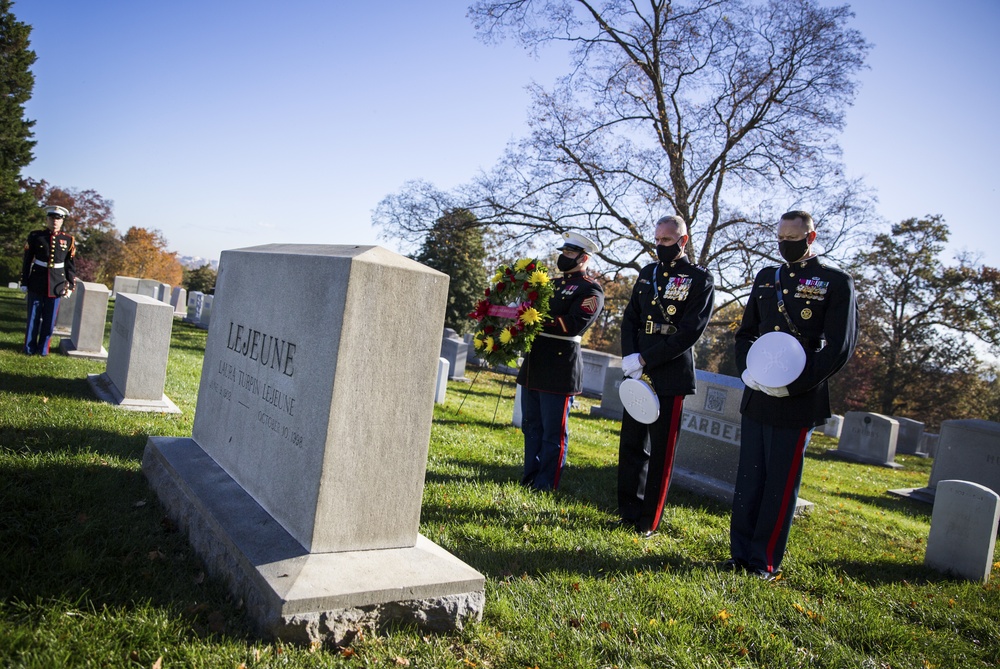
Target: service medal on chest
{"x":806,"y":314}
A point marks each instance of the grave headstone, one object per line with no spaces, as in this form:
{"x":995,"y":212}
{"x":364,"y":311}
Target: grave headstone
{"x":595,"y":366}
{"x":833,"y":427}
{"x":441,"y":389}
{"x":929,"y":443}
{"x":869,"y":438}
{"x":454,"y":350}
{"x":207,"y":301}
{"x":967,"y":450}
{"x":86,"y":338}
{"x":163,"y":293}
{"x":196,"y":301}
{"x":150,"y":288}
{"x":13,"y":284}
{"x":313,"y":407}
{"x":517,"y":420}
{"x":471,"y":357}
{"x":64,"y":316}
{"x":908,"y":441}
{"x":137,"y":356}
{"x":125,"y":284}
{"x":611,"y":402}
{"x":178,"y":300}
{"x":963,"y":530}
{"x":708,"y":447}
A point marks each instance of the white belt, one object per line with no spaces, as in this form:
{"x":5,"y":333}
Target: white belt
{"x":577,"y":338}
{"x":58,"y":265}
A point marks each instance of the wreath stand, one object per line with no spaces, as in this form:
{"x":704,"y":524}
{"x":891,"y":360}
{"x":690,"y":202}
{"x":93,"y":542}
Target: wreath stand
{"x":503,"y":382}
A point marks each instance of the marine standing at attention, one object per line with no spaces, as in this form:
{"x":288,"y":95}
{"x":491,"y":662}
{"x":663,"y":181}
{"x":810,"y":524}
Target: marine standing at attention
{"x":48,"y":274}
{"x":552,"y":372}
{"x":669,"y":309}
{"x":816,"y":304}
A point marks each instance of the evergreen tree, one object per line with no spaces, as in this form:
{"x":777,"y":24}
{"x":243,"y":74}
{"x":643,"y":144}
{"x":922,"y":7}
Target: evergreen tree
{"x":18,"y":211}
{"x":454,"y":245}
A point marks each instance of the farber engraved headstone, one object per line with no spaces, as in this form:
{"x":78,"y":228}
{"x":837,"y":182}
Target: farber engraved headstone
{"x":310,"y":443}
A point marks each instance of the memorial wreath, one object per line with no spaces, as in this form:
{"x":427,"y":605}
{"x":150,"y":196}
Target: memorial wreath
{"x":515,"y":305}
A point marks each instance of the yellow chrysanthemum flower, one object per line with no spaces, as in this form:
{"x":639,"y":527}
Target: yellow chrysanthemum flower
{"x":539,"y":278}
{"x":477,"y":341}
{"x":530,"y":316}
{"x":496,"y":277}
{"x":490,"y":345}
{"x":521,"y":264}
{"x":506,"y":336}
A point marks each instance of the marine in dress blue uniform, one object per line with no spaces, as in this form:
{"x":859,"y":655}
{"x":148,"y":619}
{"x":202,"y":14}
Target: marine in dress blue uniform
{"x":552,"y":372}
{"x":669,"y":309}
{"x":821,"y":310}
{"x":48,"y":274}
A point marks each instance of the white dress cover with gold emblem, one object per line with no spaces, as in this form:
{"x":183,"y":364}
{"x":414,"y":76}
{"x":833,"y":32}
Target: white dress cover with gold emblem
{"x":776,"y":359}
{"x":639,"y":400}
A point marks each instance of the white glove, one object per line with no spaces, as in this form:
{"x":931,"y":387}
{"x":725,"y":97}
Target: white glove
{"x":636,"y":374}
{"x":775,"y":392}
{"x":751,"y":382}
{"x":631,"y":365}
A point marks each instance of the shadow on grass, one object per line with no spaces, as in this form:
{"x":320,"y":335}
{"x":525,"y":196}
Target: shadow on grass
{"x":877,"y":573}
{"x":910,"y":507}
{"x":69,"y":442}
{"x":49,"y":386}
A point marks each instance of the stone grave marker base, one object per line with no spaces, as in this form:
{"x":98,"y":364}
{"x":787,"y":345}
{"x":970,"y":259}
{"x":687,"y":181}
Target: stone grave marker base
{"x":719,"y":490}
{"x":925,"y":495}
{"x":106,"y":391}
{"x":853,"y":457}
{"x":289,"y":593}
{"x":66,"y":347}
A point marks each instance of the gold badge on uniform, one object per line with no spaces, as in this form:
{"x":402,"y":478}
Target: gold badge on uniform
{"x":806,"y":314}
{"x":672,"y":310}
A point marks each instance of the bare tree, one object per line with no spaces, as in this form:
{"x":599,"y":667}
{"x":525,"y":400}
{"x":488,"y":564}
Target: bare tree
{"x":723,"y":111}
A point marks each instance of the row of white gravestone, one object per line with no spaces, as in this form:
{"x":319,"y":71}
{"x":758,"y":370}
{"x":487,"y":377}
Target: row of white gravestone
{"x":175,"y":297}
{"x":877,"y":439}
{"x":199,"y":309}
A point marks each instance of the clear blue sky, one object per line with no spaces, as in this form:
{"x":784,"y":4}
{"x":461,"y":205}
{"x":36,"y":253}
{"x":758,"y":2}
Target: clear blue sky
{"x":228,"y":124}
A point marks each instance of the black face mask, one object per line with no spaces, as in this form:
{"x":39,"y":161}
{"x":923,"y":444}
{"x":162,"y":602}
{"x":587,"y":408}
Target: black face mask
{"x":793,"y":250}
{"x":668,"y":253}
{"x":565,"y":263}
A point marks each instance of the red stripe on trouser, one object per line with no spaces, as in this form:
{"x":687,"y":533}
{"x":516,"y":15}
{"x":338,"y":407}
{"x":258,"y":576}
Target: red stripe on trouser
{"x":562,"y":442}
{"x":793,"y":476}
{"x":668,"y":461}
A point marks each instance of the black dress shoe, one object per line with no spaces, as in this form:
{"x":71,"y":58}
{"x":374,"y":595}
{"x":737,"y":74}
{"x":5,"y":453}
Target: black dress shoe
{"x":732,"y":564}
{"x":647,"y":534}
{"x":765,"y":575}
{"x":622,"y":524}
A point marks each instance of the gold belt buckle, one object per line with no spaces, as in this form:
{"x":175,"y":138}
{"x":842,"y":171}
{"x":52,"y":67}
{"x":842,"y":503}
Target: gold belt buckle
{"x":650,"y":327}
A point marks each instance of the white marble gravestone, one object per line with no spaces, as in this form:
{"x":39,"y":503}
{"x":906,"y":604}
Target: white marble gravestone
{"x":137,"y":356}
{"x":833,"y":427}
{"x":205,"y":317}
{"x":963,"y":530}
{"x":967,"y":450}
{"x":869,"y":438}
{"x":178,"y":300}
{"x":611,"y":402}
{"x":454,"y":350}
{"x":908,"y":441}
{"x":302,"y":482}
{"x":195,"y":303}
{"x":86,"y":339}
{"x":64,"y":316}
{"x":125,"y":284}
{"x":150,"y":288}
{"x":708,"y":447}
{"x":441,"y":387}
{"x":595,"y":368}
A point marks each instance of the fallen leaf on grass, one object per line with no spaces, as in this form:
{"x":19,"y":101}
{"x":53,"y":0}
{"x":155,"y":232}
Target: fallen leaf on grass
{"x":45,"y":400}
{"x":605,"y":626}
{"x":401,"y":662}
{"x":159,"y":663}
{"x":724,"y":615}
{"x":347,"y":652}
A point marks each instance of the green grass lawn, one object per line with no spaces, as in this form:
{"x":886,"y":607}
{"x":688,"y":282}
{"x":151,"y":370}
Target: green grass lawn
{"x":92,"y":575}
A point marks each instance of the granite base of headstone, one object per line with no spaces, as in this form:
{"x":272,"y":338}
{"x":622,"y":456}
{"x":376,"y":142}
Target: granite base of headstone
{"x":312,"y":407}
{"x":441,"y":387}
{"x":908,"y":441}
{"x":868,"y":438}
{"x":708,"y":447}
{"x":137,"y":356}
{"x":834,"y":426}
{"x":454,"y":350}
{"x":963,"y":532}
{"x":611,"y":402}
{"x":64,"y":315}
{"x":595,"y":367}
{"x":86,"y":339}
{"x":967,"y":450}
{"x":125,"y":284}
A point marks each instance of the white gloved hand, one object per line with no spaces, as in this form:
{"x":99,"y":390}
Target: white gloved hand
{"x":751,"y":382}
{"x":635,"y":374}
{"x":631,"y":364}
{"x":775,"y":392}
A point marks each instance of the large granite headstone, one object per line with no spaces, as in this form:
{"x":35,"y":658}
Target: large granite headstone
{"x":86,"y":338}
{"x":963,"y":530}
{"x":929,"y":443}
{"x":64,"y":315}
{"x":611,"y":402}
{"x":205,"y":318}
{"x":454,"y":350}
{"x":595,"y":367}
{"x":178,"y":300}
{"x":302,"y":482}
{"x":196,"y":302}
{"x":908,"y":441}
{"x":150,"y":288}
{"x":708,"y":447}
{"x":125,"y":284}
{"x":137,"y":356}
{"x":869,"y":438}
{"x":967,"y":450}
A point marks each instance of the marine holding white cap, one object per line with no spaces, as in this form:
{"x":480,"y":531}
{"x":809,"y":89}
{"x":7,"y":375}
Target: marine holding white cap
{"x":815,"y":304}
{"x":669,"y":309}
{"x":552,"y":372}
{"x":48,"y":274}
